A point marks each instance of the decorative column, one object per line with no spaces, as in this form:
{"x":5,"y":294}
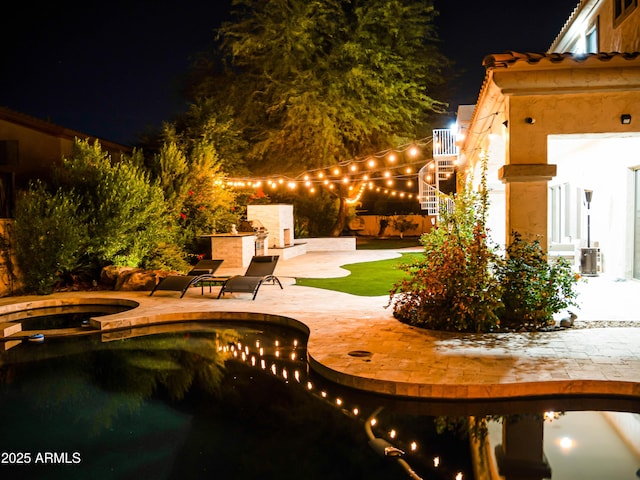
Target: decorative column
{"x":526,"y":200}
{"x":521,"y":455}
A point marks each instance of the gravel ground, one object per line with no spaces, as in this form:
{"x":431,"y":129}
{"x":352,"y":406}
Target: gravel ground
{"x":578,"y":324}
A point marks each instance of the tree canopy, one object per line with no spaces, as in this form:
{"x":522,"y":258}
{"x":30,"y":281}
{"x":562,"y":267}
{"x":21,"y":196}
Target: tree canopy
{"x":313,"y":84}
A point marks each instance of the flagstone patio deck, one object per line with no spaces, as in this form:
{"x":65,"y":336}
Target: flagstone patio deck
{"x":402,"y":360}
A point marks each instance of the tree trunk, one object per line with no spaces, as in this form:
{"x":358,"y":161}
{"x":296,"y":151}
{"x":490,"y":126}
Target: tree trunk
{"x":341,"y":221}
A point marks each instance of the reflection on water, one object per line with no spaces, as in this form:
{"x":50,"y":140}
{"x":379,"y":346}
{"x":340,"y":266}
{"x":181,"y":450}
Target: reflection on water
{"x":217,"y":401}
{"x":223,"y":400}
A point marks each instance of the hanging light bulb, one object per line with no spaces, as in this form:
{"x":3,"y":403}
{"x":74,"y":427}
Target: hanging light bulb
{"x":413,"y":151}
{"x":392,"y":157}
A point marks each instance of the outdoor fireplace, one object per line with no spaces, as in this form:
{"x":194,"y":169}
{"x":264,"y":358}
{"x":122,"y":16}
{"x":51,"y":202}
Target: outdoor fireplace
{"x":278,"y":220}
{"x":258,"y":229}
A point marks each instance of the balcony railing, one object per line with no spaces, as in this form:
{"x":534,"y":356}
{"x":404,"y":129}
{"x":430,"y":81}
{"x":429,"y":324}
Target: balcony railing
{"x":444,"y":143}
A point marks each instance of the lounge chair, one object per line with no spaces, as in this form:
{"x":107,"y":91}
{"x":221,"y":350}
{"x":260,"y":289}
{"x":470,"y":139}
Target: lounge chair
{"x":259,"y":272}
{"x":201,"y":273}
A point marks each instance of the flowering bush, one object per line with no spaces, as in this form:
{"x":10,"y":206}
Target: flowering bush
{"x":463,"y":284}
{"x":452,"y":287}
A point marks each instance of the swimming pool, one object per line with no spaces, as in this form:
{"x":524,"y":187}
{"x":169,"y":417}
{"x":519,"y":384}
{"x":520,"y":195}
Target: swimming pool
{"x":216,"y":400}
{"x":228,"y":400}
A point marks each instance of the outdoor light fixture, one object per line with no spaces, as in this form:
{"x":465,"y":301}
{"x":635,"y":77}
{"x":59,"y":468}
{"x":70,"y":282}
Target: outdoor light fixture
{"x":588,"y":195}
{"x":625,"y":118}
{"x":506,"y":123}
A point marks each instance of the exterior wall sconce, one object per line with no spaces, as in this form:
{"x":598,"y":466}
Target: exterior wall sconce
{"x":530,"y":120}
{"x":625,"y":119}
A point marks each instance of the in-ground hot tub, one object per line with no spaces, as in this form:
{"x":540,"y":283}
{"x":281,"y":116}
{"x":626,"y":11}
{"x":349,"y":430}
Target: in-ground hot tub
{"x":54,"y":316}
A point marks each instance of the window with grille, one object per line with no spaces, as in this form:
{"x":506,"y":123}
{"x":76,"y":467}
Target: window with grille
{"x":622,"y":9}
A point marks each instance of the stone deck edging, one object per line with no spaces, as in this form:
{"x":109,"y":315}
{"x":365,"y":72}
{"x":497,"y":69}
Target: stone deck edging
{"x":403,"y":360}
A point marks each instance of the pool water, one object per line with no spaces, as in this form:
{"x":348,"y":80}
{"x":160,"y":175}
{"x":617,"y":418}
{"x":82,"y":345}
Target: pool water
{"x":213,"y":401}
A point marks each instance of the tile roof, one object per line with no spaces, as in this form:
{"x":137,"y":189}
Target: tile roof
{"x":574,"y":13}
{"x":18,"y":118}
{"x":507,"y":59}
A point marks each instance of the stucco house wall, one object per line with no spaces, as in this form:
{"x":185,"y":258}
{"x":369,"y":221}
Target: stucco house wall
{"x":552,"y":128}
{"x":40,"y":145}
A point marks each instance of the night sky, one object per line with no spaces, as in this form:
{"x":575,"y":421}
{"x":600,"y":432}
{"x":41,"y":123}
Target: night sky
{"x":113,"y":70}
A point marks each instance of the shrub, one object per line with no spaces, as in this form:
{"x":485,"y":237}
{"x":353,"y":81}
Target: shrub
{"x":533,"y":288}
{"x":166,"y":256}
{"x":125,"y":211}
{"x":50,"y":234}
{"x":462,"y":284}
{"x":453,"y":287}
{"x":402,"y":224}
{"x":190,"y":175}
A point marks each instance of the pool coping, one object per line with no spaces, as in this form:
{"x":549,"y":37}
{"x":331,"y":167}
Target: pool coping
{"x":389,"y":370}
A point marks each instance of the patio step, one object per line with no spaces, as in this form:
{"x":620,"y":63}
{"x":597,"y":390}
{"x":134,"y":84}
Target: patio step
{"x":9,"y":328}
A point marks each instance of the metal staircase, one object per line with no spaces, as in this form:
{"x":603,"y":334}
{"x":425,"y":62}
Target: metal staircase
{"x":441,"y":167}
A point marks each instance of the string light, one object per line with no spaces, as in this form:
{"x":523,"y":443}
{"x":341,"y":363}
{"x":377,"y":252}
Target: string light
{"x":282,"y":371}
{"x":328,"y":177}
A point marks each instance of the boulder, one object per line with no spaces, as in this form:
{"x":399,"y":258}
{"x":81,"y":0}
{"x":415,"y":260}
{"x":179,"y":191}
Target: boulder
{"x":136,"y":279}
{"x":131,"y":279}
{"x":109,"y":275}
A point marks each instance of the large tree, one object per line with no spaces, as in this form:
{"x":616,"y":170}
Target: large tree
{"x":316,"y":83}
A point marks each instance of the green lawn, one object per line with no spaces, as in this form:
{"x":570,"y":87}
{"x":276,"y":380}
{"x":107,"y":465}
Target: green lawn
{"x":368,"y":279}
